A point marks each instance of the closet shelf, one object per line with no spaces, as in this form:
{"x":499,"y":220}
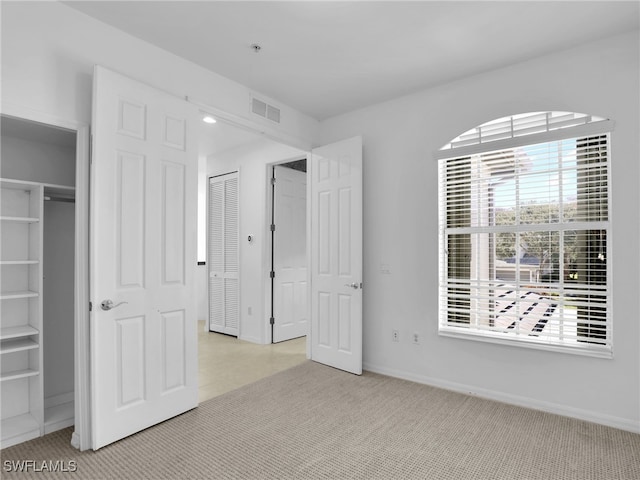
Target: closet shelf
{"x":22,"y":184}
{"x":8,"y":218}
{"x":19,"y":425}
{"x":17,"y":345}
{"x":21,"y":294}
{"x":58,"y":417}
{"x":17,"y":332}
{"x":18,"y":374}
{"x":19,"y":262}
{"x":35,"y":229}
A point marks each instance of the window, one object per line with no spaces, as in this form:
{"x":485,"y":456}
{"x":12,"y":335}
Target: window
{"x":524,"y":228}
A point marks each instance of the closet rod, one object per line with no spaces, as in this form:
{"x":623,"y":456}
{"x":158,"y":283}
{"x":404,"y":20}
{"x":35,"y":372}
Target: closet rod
{"x":54,"y":198}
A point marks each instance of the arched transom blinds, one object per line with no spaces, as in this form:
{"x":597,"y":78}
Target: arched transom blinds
{"x":524,"y":229}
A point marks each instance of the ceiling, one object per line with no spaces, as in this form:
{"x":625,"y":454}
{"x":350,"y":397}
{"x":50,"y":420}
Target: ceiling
{"x":222,"y":137}
{"x":325,"y":58}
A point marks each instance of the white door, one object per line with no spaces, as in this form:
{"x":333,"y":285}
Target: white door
{"x":224,"y":301}
{"x":143,"y":257}
{"x":336,"y":255}
{"x":290,"y":254}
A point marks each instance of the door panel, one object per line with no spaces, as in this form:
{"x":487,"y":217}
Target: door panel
{"x":224,"y":264}
{"x":173,"y":218}
{"x":336,"y":255}
{"x":290,"y":254}
{"x":142,"y":257}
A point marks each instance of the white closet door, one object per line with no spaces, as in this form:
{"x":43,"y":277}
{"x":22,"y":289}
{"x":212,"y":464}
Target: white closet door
{"x":224,"y":298}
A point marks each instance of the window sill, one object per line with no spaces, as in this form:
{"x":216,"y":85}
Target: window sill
{"x":596,"y":351}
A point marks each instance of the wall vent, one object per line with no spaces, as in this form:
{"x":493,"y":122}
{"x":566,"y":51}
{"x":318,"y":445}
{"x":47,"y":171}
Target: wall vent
{"x":265,"y":110}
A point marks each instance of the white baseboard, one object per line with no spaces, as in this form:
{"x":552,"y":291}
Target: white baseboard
{"x":75,"y":440}
{"x":251,"y":339}
{"x":60,"y":399}
{"x":549,"y":407}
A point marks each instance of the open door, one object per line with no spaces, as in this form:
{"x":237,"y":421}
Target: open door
{"x":336,"y":255}
{"x":142,"y":257}
{"x":289,"y":254}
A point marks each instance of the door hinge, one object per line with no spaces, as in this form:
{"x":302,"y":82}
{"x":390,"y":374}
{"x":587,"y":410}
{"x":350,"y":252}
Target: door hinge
{"x":272,"y":321}
{"x":273,"y":180}
{"x":90,"y":306}
{"x":272,"y":274}
{"x":273,"y":227}
{"x":91,"y":149}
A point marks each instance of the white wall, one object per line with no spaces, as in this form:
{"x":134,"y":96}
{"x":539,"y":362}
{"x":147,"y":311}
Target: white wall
{"x":401,"y":222}
{"x":251,"y":163}
{"x":37,"y":161}
{"x":48,"y":53}
{"x":58,"y":285}
{"x":201,"y":272}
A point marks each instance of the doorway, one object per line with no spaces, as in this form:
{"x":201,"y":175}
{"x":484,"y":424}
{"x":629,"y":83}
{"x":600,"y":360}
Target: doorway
{"x":289,"y":258}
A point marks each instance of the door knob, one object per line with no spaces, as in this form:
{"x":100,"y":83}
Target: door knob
{"x":353,"y":285}
{"x":108,"y":304}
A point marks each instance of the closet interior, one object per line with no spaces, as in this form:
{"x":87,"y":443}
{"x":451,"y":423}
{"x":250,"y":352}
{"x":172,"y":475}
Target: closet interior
{"x":37,"y":208}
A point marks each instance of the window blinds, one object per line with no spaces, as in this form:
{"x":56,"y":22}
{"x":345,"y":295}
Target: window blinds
{"x":524,"y":243}
{"x":520,"y":125}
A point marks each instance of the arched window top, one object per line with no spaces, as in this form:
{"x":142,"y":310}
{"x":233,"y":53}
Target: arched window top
{"x":520,"y":125}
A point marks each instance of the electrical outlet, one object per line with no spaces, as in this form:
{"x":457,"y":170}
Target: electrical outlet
{"x":395,"y":336}
{"x":415,"y":338}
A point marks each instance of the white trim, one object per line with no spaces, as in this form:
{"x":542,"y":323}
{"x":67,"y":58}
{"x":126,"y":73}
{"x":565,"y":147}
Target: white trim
{"x":251,"y":338}
{"x":309,"y":254}
{"x":583,"y":349}
{"x":267,"y":249}
{"x":82,"y":391}
{"x":252,"y":126}
{"x":596,"y":128}
{"x":518,"y":400}
{"x":268,"y":244}
{"x":18,"y":111}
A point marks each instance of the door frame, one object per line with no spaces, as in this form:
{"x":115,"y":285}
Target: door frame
{"x":81,"y":437}
{"x":269,"y":247}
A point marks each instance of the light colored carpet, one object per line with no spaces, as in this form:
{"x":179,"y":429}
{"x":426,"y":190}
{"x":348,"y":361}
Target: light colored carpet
{"x":312,"y":421}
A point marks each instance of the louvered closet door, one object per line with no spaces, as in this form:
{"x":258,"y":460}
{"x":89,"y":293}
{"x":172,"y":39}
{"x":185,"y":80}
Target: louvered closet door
{"x":223,"y":254}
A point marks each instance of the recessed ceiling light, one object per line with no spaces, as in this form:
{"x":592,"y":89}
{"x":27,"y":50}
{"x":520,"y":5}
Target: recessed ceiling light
{"x":208,"y":119}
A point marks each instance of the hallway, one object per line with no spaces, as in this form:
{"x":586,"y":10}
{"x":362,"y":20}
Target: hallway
{"x":226,"y":363}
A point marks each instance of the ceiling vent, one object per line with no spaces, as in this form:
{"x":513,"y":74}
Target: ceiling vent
{"x":265,"y":110}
